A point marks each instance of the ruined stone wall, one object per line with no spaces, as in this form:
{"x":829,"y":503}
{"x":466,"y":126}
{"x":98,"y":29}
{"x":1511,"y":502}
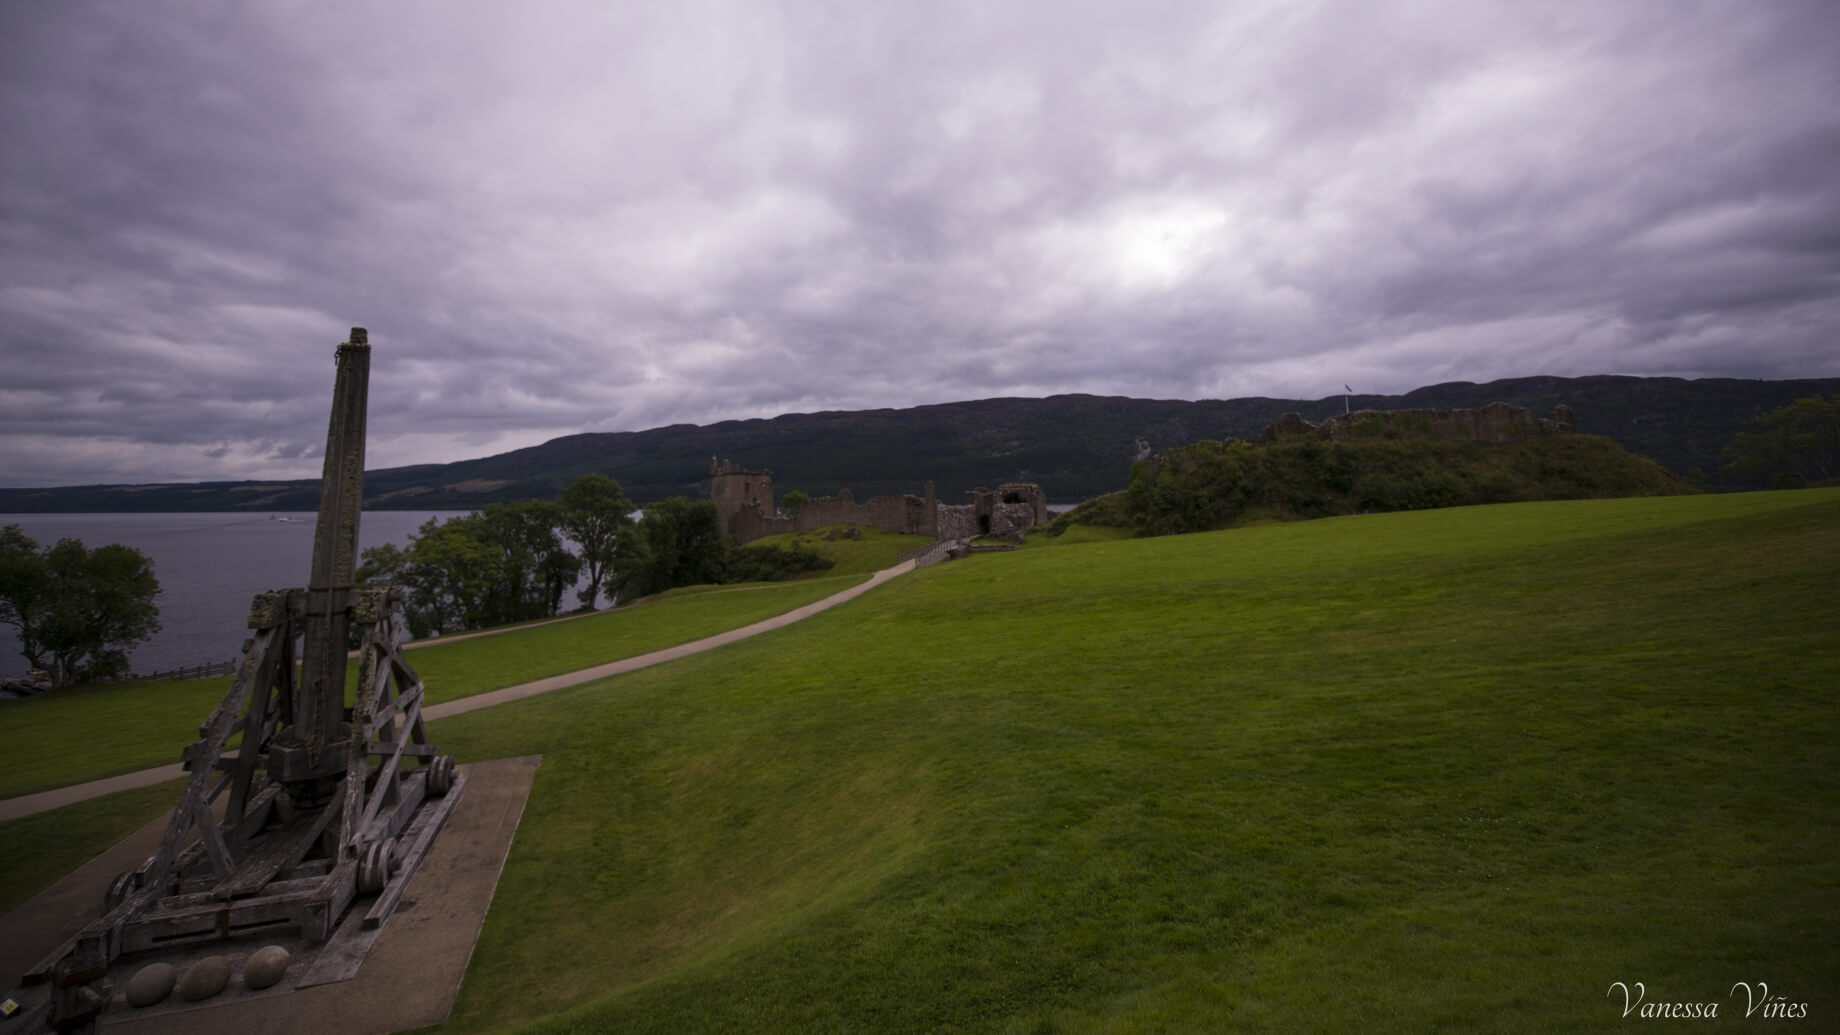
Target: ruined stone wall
{"x":904,"y":513}
{"x":1011,"y":521}
{"x":1008,"y":513}
{"x":912,"y":515}
{"x":1028,"y":494}
{"x":751,"y":522}
{"x":745,"y":501}
{"x":958,"y":522}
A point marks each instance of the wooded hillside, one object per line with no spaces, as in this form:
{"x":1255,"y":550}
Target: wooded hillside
{"x":1074,"y":446}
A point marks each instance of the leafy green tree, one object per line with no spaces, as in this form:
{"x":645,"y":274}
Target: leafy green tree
{"x":683,"y":546}
{"x":444,"y":574}
{"x":534,"y":567}
{"x":631,"y":568}
{"x":505,"y":563}
{"x":390,"y":565}
{"x":1796,"y":440}
{"x":78,"y":611}
{"x":378,"y":566}
{"x":383,"y":565}
{"x":793,"y":502}
{"x":597,"y":516}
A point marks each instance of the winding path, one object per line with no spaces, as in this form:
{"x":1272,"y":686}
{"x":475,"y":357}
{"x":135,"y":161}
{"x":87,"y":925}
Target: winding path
{"x":29,"y":804}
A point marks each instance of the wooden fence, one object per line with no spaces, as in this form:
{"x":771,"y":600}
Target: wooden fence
{"x":214,"y":668}
{"x":930,"y":553}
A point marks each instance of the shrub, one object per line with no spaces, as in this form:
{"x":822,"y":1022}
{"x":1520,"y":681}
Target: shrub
{"x":766,"y":563}
{"x":1214,"y":485}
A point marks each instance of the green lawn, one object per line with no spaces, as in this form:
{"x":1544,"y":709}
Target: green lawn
{"x":1447,"y":770}
{"x":63,"y":839}
{"x":874,"y":550}
{"x":85,"y":733}
{"x":1076,"y":534}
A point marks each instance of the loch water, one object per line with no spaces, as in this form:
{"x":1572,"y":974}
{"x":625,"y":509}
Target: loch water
{"x":209,"y":566}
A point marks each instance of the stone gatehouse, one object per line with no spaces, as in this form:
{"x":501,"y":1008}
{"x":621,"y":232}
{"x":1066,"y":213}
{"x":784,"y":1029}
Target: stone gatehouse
{"x":750,"y":510}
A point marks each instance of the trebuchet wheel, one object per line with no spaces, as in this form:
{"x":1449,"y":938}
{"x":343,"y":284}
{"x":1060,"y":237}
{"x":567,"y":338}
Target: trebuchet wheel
{"x":441,"y":776}
{"x":375,"y":867}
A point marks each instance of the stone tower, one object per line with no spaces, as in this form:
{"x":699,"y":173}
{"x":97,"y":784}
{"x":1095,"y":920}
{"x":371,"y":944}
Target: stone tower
{"x":733,"y":488}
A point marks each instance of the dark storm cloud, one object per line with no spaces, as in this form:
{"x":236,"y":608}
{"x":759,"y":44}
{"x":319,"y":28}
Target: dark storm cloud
{"x":559,"y":217}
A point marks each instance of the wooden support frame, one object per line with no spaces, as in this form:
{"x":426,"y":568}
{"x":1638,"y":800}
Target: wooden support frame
{"x":322,"y":807}
{"x":254,"y":869}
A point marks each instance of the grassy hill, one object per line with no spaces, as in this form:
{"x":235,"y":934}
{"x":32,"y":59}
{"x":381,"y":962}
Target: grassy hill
{"x":1074,"y":446}
{"x":1447,"y":770}
{"x":852,"y":549}
{"x":1455,"y":769}
{"x":1209,"y":485}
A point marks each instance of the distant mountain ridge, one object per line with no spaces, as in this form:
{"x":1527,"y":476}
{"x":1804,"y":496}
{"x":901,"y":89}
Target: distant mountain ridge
{"x":1074,"y":446}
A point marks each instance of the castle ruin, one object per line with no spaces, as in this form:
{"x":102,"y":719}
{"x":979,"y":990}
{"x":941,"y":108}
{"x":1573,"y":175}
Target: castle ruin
{"x":750,"y":510}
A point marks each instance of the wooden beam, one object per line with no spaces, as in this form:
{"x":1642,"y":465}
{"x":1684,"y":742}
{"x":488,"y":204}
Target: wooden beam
{"x":255,"y":721}
{"x":193,"y":801}
{"x":279,"y":851}
{"x":419,"y":836}
{"x":386,"y":772}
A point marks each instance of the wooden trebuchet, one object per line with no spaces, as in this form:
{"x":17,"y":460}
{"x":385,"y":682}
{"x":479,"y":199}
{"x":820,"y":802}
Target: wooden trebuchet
{"x":321,"y":805}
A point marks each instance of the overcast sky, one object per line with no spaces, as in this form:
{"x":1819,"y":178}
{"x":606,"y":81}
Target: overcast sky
{"x":594,"y":216}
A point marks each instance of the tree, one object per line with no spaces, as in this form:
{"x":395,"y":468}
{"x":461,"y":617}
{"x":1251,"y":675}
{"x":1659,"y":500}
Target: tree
{"x":447,"y":577}
{"x":78,"y":611}
{"x":793,"y":502}
{"x":597,"y":516}
{"x":505,"y":563}
{"x":534,"y":567}
{"x":683,"y":546}
{"x":632,"y":566}
{"x":383,"y":565}
{"x":1798,"y":439}
{"x":389,"y":565}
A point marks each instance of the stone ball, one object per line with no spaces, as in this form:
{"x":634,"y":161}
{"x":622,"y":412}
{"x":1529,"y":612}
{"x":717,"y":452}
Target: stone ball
{"x":204,"y":979}
{"x":151,"y":984}
{"x":265,"y":966}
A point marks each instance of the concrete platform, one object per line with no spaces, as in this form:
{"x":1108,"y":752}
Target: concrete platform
{"x":408,"y":978}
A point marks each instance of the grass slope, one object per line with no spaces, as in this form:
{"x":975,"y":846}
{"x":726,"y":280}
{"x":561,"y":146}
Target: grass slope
{"x":86,"y":733}
{"x":44,"y":848}
{"x":873,"y":550}
{"x":1449,"y":770}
